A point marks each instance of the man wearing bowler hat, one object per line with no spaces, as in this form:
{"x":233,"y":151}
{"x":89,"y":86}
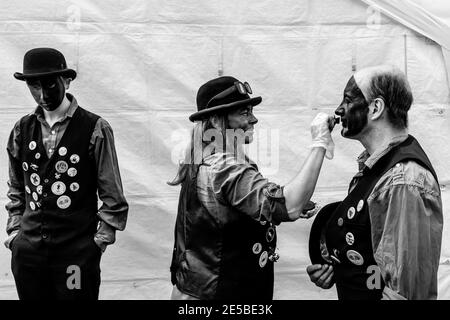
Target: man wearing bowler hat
{"x":225,"y":237}
{"x":383,"y":240}
{"x":60,"y":157}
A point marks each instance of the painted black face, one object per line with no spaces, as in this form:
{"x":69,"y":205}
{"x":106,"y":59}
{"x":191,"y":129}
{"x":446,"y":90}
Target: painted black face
{"x":353,"y":110}
{"x":48,"y":92}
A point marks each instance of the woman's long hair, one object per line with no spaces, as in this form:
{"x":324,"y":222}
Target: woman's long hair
{"x":194,"y":154}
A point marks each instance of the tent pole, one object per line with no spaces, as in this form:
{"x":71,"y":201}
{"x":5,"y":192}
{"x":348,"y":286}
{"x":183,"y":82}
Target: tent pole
{"x":405,"y":45}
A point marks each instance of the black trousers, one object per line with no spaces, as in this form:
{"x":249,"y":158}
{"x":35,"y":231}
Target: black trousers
{"x":47,"y":272}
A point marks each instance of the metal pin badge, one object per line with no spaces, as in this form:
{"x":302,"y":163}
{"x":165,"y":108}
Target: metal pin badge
{"x":274,"y":257}
{"x":62,"y":151}
{"x":32,"y":145}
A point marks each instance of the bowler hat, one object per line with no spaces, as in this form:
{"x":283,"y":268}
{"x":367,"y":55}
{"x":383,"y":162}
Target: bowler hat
{"x":318,"y":226}
{"x":40,"y":62}
{"x":222,"y":94}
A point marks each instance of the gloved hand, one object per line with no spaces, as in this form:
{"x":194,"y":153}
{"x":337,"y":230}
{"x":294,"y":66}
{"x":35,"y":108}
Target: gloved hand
{"x":321,"y":134}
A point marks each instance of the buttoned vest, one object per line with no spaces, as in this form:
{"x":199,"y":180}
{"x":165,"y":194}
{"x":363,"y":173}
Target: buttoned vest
{"x":60,"y":191}
{"x":226,"y":257}
{"x":348,"y":231}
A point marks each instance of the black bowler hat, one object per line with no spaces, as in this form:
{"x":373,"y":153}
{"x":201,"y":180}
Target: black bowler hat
{"x":222,"y":94}
{"x":40,"y":62}
{"x":317,"y":228}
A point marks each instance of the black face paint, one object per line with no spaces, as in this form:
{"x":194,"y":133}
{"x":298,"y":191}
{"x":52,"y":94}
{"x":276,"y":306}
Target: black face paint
{"x":353,"y":110}
{"x":48,"y":92}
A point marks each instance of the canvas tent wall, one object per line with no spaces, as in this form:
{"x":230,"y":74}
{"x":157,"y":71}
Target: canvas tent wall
{"x":140,"y":64}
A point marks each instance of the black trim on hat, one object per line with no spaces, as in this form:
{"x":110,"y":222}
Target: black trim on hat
{"x":199,"y":115}
{"x":70,"y":73}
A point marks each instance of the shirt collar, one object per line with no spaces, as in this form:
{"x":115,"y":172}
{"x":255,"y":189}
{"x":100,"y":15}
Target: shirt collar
{"x":69,"y":114}
{"x":367,"y":160}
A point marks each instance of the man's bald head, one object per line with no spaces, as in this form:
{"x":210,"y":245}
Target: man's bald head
{"x":390,"y":84}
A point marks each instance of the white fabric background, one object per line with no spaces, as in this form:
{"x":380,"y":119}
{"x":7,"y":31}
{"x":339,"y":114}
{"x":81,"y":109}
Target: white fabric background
{"x":140,"y":64}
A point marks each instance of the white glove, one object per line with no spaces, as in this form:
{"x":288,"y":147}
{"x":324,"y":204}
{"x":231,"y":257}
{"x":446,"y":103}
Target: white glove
{"x":321,"y":134}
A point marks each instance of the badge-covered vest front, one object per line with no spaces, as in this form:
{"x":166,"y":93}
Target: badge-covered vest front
{"x":60,"y":191}
{"x":348,"y":231}
{"x":229,"y":257}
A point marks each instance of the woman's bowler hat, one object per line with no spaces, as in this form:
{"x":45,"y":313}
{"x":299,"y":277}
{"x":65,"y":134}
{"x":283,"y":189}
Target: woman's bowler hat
{"x":222,"y":94}
{"x":41,"y":62}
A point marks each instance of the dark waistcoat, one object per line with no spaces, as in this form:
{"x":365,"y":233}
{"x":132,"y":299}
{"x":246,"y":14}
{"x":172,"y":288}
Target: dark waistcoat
{"x":225,"y":257}
{"x":60,"y":192}
{"x":348,"y":231}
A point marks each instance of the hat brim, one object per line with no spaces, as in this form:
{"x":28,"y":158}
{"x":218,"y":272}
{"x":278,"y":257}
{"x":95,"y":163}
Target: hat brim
{"x":317,"y":227}
{"x":69,"y":72}
{"x":199,"y":115}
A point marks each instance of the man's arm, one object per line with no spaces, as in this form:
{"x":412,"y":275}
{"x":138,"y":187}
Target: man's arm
{"x":16,"y":192}
{"x":406,"y":218}
{"x":114,"y":210}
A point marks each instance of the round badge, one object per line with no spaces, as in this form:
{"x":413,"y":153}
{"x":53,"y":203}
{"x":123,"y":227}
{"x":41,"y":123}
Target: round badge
{"x":62,"y":151}
{"x":35,"y":179}
{"x":355,"y":257}
{"x":35,"y":196}
{"x":263,"y":259}
{"x":360,"y":205}
{"x":61,"y":166}
{"x":350,"y":238}
{"x":74,"y":187}
{"x":27,"y":189}
{"x":37,"y":155}
{"x":39,"y":189}
{"x":340,"y":222}
{"x":72,"y":172}
{"x":32,"y":145}
{"x":25,"y":166}
{"x":257,"y":247}
{"x":63,"y":202}
{"x":74,"y":158}
{"x":270,"y":234}
{"x":32,"y":206}
{"x":58,"y":188}
{"x":351,"y":213}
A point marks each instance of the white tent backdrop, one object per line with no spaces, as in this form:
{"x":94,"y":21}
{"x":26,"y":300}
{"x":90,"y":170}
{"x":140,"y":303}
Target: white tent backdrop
{"x":141,"y":62}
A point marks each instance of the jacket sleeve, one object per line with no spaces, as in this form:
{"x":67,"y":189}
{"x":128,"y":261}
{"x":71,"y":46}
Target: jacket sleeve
{"x":241,"y":186}
{"x":114,"y":210}
{"x":406,"y":216}
{"x":16,"y":192}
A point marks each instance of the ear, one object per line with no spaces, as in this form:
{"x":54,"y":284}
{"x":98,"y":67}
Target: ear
{"x":377,"y":108}
{"x":215,"y":121}
{"x":66,"y":82}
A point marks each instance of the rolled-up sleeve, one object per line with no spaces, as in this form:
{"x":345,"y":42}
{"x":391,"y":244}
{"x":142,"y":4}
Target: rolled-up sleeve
{"x":114,"y":210}
{"x":407,"y":222}
{"x":242,"y":187}
{"x":16,"y":191}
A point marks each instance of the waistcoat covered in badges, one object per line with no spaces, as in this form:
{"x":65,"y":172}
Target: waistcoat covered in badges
{"x":225,"y":257}
{"x":348,"y":231}
{"x":60,"y":192}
